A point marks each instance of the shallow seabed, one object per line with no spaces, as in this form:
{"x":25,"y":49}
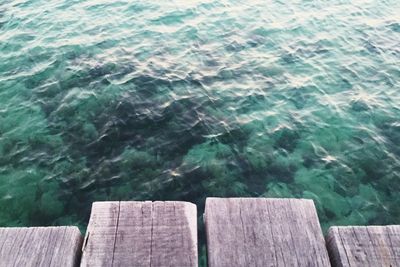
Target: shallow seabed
{"x":179,"y":100}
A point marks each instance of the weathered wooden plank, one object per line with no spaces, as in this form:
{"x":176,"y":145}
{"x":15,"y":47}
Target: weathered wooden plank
{"x":263,"y":232}
{"x":40,"y":246}
{"x":364,"y":245}
{"x":131,"y":233}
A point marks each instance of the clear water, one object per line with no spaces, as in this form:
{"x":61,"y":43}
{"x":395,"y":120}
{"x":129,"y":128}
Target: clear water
{"x":180,"y":100}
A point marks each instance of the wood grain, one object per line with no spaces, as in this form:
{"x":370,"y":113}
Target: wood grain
{"x":40,"y":246}
{"x":364,"y":246}
{"x":263,"y":232}
{"x":131,"y":233}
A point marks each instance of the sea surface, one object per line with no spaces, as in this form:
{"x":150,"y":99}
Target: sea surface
{"x":180,"y":100}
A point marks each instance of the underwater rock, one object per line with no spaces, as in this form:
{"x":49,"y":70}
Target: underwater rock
{"x":286,"y":138}
{"x":395,"y":26}
{"x":290,"y":58}
{"x":132,"y":158}
{"x":359,"y":105}
{"x":282,"y":172}
{"x":235,"y":47}
{"x":278,"y":190}
{"x":50,"y":206}
{"x":258,"y":158}
{"x":237,"y":135}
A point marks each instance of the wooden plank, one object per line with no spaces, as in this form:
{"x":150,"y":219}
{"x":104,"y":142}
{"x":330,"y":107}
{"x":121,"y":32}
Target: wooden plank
{"x":131,"y":233}
{"x":40,"y":246}
{"x":364,"y":245}
{"x":263,"y":232}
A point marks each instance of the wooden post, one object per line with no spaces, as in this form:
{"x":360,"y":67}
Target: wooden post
{"x":40,"y":246}
{"x":366,"y":246}
{"x":263,"y":232}
{"x":141,"y":234}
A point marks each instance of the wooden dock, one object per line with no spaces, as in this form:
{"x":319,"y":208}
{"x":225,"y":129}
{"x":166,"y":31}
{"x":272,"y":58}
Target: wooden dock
{"x":141,"y":234}
{"x":40,"y":246}
{"x":239,"y":232}
{"x":263,"y":232}
{"x":374,"y":246}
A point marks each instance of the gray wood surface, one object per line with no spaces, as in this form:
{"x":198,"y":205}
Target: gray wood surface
{"x":141,"y":234}
{"x":263,"y":232}
{"x":40,"y":246}
{"x":364,"y":246}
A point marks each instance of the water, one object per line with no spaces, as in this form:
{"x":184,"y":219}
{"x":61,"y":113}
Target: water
{"x":180,"y":100}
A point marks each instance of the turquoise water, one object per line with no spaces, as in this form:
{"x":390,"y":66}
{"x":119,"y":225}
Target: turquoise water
{"x":180,"y":100}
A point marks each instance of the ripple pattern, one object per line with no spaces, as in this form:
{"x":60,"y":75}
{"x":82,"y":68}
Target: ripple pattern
{"x":109,"y":100}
